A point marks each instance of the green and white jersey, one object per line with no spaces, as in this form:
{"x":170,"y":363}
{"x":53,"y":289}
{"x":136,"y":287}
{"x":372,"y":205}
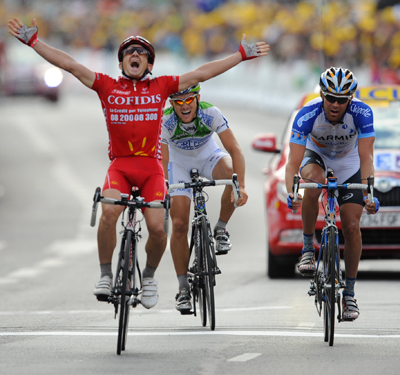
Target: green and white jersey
{"x":195,"y":139}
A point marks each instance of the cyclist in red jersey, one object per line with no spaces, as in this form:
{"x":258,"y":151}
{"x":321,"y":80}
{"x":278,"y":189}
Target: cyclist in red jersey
{"x":133,"y":107}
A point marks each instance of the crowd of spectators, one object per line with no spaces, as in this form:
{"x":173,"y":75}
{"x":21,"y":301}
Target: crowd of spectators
{"x":325,"y":32}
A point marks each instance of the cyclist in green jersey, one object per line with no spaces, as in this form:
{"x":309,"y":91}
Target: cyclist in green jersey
{"x":188,"y":142}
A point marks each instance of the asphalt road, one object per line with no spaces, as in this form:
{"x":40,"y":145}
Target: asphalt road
{"x":52,"y":157}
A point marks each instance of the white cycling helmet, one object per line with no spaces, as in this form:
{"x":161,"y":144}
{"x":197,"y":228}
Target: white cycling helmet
{"x":338,"y":81}
{"x":194,"y":89}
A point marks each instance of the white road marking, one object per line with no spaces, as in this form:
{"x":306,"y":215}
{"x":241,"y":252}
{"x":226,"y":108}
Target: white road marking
{"x":305,"y":325}
{"x":142,"y":311}
{"x":244,"y":357}
{"x":60,"y":250}
{"x":198,"y":333}
{"x":255,"y":308}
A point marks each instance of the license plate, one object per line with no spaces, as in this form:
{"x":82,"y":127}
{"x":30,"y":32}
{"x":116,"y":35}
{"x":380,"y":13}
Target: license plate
{"x":380,"y":219}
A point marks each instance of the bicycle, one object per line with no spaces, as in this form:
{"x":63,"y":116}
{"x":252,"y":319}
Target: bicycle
{"x":127,"y":285}
{"x":327,"y":280}
{"x":204,"y":267}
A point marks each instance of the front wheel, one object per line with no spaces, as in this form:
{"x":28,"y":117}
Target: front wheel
{"x":330,"y":286}
{"x":200,"y":278}
{"x":125,"y":283}
{"x":209,"y":276}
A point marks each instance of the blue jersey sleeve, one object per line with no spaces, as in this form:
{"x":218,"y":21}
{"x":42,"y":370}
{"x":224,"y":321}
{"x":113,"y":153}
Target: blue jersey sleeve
{"x":363,"y":118}
{"x":304,"y":122}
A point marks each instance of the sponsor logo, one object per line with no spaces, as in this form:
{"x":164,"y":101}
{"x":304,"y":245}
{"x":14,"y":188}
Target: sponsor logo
{"x":121,"y":92}
{"x":159,"y":194}
{"x":347,"y":196}
{"x":306,"y":117}
{"x":367,"y":126}
{"x":134,"y":100}
{"x":190,"y":129}
{"x":337,"y":137}
{"x":114,"y":182}
{"x":384,"y":161}
{"x":366,"y":112}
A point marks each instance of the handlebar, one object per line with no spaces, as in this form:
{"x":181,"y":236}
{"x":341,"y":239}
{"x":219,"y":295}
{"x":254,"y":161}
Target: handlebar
{"x":137,"y":202}
{"x":313,"y":185}
{"x":200,"y":184}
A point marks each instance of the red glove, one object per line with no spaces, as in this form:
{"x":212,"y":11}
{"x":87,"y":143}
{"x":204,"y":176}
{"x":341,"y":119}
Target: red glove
{"x":28,"y":35}
{"x":248,"y":51}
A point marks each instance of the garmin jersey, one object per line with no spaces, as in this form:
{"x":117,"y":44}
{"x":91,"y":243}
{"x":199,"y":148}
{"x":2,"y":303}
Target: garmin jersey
{"x":312,"y":129}
{"x":195,"y":138}
{"x":133,"y":113}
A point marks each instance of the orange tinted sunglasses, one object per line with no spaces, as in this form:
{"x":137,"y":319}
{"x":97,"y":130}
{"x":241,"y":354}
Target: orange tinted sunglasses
{"x":187,"y":100}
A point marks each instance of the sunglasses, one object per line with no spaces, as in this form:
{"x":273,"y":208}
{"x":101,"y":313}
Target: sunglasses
{"x":187,"y":100}
{"x":341,"y":100}
{"x":139,"y":50}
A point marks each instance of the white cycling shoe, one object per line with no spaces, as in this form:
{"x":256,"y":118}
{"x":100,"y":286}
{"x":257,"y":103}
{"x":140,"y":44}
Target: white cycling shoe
{"x":103,"y":288}
{"x":149,"y":292}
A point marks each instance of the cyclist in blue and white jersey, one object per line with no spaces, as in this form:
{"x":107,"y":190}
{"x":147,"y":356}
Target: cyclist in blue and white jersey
{"x":336,"y":131}
{"x":188,"y":142}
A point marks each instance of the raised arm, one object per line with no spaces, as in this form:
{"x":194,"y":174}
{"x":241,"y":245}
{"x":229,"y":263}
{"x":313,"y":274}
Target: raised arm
{"x":217,"y":67}
{"x":28,"y":36}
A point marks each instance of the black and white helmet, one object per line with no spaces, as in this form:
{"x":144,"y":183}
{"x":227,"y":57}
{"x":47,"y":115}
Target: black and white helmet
{"x":338,"y":81}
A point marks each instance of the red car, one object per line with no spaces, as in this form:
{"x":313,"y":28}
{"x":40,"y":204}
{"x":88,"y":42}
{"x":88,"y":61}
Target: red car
{"x":380,"y":232}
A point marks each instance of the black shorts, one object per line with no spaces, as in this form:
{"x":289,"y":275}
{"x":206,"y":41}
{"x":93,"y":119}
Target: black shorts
{"x":345,"y":195}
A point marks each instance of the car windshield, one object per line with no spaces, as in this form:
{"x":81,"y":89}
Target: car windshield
{"x":387,"y":127}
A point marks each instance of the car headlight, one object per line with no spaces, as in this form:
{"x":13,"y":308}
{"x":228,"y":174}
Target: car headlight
{"x":53,"y":77}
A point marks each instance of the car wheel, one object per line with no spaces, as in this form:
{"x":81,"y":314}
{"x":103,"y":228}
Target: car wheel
{"x":279,"y":267}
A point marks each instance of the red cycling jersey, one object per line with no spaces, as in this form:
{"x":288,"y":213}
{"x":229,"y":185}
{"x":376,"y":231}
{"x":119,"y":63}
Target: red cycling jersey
{"x":133,"y":113}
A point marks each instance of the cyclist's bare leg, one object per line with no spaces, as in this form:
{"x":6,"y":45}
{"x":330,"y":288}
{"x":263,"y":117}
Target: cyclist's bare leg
{"x":106,"y":234}
{"x":157,"y":240}
{"x":309,"y":213}
{"x":180,"y":211}
{"x":224,"y":170}
{"x":350,"y":214}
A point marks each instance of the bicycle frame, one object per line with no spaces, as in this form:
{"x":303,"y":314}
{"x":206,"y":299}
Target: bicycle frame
{"x":200,"y":214}
{"x":327,"y":280}
{"x":330,"y":224}
{"x":133,"y":226}
{"x":203,"y":279}
{"x":125,"y":291}
{"x":204,"y":267}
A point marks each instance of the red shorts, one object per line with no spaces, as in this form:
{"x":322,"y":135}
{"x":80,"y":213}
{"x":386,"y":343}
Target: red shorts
{"x":145,"y":173}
